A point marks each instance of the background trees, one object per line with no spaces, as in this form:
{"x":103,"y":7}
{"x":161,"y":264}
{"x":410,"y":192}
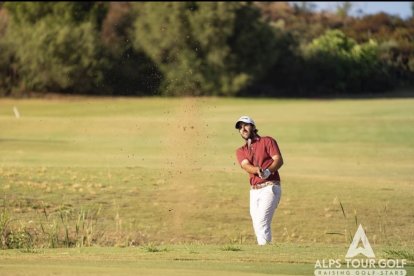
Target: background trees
{"x":197,"y":48}
{"x":56,"y":45}
{"x":202,"y":48}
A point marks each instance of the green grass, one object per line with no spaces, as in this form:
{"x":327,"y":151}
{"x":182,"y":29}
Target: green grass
{"x":189,"y":259}
{"x":157,"y":172}
{"x":177,"y":260}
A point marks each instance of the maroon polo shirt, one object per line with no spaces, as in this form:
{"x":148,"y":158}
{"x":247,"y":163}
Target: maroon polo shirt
{"x":260,"y":154}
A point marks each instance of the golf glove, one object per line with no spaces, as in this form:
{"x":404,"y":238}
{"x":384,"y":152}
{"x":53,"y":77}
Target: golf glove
{"x":266,"y":173}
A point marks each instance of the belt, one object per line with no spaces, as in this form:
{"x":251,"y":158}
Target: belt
{"x":265,"y":184}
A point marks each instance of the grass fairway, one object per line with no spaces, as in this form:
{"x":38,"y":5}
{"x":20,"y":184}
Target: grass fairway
{"x":190,"y":259}
{"x":133,"y":176}
{"x":170,"y":260}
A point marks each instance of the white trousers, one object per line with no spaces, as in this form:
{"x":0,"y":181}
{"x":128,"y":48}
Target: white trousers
{"x":263,"y":203}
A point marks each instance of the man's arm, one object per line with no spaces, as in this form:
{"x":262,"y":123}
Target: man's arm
{"x":245,"y":164}
{"x":276,"y":164}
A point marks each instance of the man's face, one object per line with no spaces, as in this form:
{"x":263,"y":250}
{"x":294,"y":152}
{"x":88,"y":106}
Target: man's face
{"x":246,"y":130}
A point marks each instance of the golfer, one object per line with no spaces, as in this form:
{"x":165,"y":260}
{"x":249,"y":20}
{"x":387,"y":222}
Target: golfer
{"x":261,"y":158}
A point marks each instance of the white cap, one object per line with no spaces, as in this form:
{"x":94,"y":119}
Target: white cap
{"x":244,"y":119}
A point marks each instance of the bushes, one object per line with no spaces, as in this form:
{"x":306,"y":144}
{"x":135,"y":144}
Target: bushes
{"x":332,"y":64}
{"x":338,"y":64}
{"x":56,"y":47}
{"x":197,"y":48}
{"x":204,"y":48}
{"x":8,"y":75}
{"x":59,"y":57}
{"x":7,"y":72}
{"x":131,"y":72}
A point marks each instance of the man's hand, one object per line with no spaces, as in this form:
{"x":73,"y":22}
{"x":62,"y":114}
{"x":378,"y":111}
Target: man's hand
{"x":265,"y":174}
{"x":259,"y":172}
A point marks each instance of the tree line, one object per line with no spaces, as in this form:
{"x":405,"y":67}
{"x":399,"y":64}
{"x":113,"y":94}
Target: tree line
{"x":200,"y":48}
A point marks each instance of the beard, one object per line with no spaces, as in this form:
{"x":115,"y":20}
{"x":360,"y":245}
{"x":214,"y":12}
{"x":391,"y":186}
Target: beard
{"x":250,"y":136}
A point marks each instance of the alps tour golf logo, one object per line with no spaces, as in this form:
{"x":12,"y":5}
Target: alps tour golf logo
{"x":356,"y":264}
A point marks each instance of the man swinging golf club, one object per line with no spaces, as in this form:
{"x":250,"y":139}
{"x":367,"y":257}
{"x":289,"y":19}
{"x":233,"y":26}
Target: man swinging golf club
{"x":261,"y":158}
